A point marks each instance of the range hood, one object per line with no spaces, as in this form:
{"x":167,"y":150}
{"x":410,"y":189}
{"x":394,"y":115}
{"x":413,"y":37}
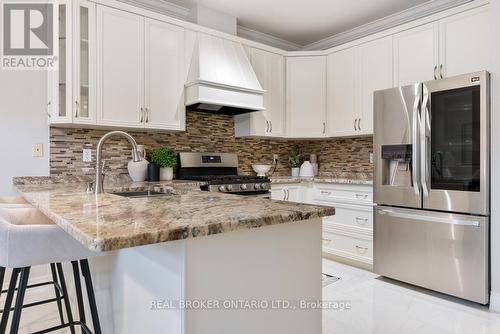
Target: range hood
{"x":221,"y":79}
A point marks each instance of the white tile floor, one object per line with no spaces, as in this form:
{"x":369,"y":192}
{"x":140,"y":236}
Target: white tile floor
{"x":377,"y":306}
{"x":383,"y":306}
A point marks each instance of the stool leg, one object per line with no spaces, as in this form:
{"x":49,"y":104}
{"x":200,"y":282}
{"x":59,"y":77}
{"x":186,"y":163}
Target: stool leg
{"x":67,"y":304}
{"x":56,"y":290}
{"x":78,"y":288}
{"x":8,"y":300}
{"x":91,"y":296}
{"x":2,"y":276}
{"x":23,"y":283}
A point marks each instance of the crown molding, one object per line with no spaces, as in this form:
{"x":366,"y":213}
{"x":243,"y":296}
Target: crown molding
{"x":267,"y":39}
{"x":391,"y":21}
{"x":161,"y":7}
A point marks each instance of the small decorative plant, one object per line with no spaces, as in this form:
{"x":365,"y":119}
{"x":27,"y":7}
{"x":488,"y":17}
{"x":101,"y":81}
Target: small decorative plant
{"x":295,"y":159}
{"x":164,"y":157}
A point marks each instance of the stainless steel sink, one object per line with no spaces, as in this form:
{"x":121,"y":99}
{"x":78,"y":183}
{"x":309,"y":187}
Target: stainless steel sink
{"x":142,"y":194}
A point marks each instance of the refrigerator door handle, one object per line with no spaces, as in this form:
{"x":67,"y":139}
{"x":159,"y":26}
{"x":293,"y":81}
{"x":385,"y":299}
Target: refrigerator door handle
{"x":424,"y":136}
{"x":415,"y":145}
{"x":442,"y":220}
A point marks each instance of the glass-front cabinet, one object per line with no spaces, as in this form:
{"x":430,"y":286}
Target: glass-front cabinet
{"x":72,"y":86}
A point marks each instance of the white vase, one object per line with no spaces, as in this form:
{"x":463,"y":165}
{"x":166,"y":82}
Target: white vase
{"x":138,"y":171}
{"x":295,"y":172}
{"x":166,"y":174}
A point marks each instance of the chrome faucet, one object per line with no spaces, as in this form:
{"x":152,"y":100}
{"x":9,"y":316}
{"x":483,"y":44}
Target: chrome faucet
{"x":99,"y":179}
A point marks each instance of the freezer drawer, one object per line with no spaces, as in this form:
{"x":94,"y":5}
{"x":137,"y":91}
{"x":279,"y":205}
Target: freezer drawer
{"x":439,"y":251}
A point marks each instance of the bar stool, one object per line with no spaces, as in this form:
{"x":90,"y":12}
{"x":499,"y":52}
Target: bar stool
{"x":29,"y":238}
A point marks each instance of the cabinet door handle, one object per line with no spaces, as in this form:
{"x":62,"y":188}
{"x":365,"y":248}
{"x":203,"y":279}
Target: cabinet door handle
{"x":326,"y":241}
{"x":361,"y":196}
{"x":361,"y":221}
{"x":48,"y":109}
{"x":359,"y":124}
{"x":362,"y":250}
{"x":147,"y":114}
{"x":287,"y":195}
{"x":441,"y":71}
{"x":435,"y":72}
{"x":267,"y":126}
{"x":326,"y":193}
{"x":324,"y":127}
{"x":271,"y":126}
{"x":355,"y":121}
{"x":284,"y":194}
{"x":142,"y":115}
{"x":77,"y":108}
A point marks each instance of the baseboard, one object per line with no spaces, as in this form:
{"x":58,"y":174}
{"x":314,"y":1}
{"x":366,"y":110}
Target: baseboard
{"x":495,"y":301}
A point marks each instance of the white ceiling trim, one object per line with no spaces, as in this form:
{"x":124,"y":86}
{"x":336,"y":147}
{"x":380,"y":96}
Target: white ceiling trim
{"x":161,"y":7}
{"x":267,"y":39}
{"x":391,"y":21}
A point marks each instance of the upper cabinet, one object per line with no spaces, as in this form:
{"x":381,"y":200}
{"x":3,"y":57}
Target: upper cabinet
{"x":111,"y":81}
{"x":120,"y":68}
{"x":452,"y":46}
{"x":306,"y":97}
{"x":270,"y":70}
{"x":465,"y":42}
{"x":353,"y":75}
{"x":72,"y":86}
{"x":416,"y":55}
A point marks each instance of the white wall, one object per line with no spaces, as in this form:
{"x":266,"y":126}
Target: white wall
{"x":495,"y":156}
{"x":23,"y":122}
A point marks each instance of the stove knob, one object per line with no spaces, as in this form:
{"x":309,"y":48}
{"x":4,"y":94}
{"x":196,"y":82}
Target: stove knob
{"x":243,"y":187}
{"x":229,"y":187}
{"x":256,"y":186}
{"x":263,"y":186}
{"x":222,"y":188}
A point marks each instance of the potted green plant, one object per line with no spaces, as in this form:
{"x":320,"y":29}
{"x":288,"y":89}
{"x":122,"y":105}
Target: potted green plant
{"x":294,"y":161}
{"x":166,"y":159}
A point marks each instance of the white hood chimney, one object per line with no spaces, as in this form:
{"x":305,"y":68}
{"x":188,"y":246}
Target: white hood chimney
{"x":221,"y":78}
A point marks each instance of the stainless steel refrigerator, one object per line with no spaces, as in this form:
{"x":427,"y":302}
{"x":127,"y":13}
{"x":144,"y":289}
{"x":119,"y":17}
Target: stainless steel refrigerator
{"x":432,"y":185}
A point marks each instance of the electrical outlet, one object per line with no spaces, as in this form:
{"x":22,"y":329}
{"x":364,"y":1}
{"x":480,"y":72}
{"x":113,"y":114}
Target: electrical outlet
{"x":37,"y":150}
{"x":371,"y":157}
{"x":87,"y":155}
{"x":275,"y":158}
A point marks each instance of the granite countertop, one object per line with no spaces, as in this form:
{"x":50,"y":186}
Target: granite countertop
{"x":338,"y":178}
{"x":107,"y":222}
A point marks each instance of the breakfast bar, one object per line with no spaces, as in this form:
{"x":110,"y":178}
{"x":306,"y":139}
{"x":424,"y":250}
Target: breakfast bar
{"x":190,"y":261}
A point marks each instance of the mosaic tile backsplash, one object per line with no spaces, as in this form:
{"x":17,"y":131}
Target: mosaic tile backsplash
{"x":205,"y":133}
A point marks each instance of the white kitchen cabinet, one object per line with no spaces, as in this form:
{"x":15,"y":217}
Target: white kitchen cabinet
{"x":353,"y":75}
{"x":375,"y":73}
{"x":270,"y":70}
{"x":416,"y":54}
{"x":287,"y":192}
{"x":120,"y":68}
{"x":164,"y":77}
{"x":72,"y":86}
{"x":465,"y":42}
{"x":84,"y":88}
{"x":306,"y":97}
{"x":342,"y":93}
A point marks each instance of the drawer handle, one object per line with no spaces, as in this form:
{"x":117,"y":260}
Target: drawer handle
{"x":361,"y":221}
{"x":360,"y":196}
{"x":328,"y":193}
{"x":361,"y":250}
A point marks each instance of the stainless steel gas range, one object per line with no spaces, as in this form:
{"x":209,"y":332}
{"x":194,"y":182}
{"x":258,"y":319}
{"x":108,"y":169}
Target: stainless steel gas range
{"x":220,"y":173}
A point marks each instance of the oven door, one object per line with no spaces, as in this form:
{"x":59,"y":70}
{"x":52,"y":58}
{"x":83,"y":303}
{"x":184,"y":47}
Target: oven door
{"x":455,"y":144}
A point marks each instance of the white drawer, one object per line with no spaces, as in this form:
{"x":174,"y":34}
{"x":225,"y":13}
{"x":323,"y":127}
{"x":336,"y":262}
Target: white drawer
{"x":348,"y":245}
{"x":350,"y":194}
{"x":351,"y":215}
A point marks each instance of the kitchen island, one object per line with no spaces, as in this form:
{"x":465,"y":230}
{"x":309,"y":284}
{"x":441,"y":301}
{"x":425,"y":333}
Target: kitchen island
{"x":192,"y":262}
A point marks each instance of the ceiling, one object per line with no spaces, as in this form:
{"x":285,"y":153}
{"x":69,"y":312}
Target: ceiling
{"x":304,"y":21}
